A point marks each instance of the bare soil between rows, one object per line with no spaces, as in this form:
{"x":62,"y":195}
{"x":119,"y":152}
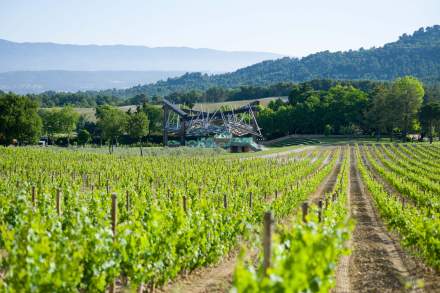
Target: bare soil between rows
{"x":376,"y":263}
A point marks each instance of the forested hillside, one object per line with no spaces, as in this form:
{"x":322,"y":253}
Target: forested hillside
{"x":417,"y":55}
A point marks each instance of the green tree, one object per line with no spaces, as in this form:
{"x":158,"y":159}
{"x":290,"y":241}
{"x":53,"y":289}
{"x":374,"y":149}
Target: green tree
{"x":328,"y":129}
{"x":50,"y":124}
{"x":346,"y":105}
{"x":137,"y":126}
{"x":378,"y":113}
{"x":84,"y":137}
{"x":19,"y":119}
{"x":59,"y":121}
{"x":112,"y":123}
{"x":68,"y":120}
{"x":155,"y":116}
{"x":430,"y":118}
{"x":406,"y":98}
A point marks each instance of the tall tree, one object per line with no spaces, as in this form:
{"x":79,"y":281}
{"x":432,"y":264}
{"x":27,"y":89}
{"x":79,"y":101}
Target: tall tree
{"x":430,"y":118}
{"x":345,"y":106}
{"x":51,"y":124}
{"x":112,"y":123}
{"x":83,"y":137}
{"x":406,"y":99}
{"x":19,"y":119}
{"x":155,"y":116}
{"x":59,"y":121}
{"x":378,"y":113}
{"x":68,"y":119}
{"x":137,"y":126}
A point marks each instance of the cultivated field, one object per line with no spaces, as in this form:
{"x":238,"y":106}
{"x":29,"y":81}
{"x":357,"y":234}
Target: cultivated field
{"x":347,"y":217}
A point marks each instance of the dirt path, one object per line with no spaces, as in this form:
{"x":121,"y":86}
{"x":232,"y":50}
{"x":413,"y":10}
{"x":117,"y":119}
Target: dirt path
{"x":376,"y":264}
{"x":212,"y":279}
{"x":329,"y":182}
{"x":343,"y":268}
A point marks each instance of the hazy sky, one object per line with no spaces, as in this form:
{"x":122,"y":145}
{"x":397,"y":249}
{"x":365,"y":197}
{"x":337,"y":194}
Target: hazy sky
{"x":294,"y":28}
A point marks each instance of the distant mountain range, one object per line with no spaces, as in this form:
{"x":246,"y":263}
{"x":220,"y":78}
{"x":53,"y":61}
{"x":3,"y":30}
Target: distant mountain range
{"x":417,"y":54}
{"x":50,"y":56}
{"x":23,"y":82}
{"x":36,"y":67}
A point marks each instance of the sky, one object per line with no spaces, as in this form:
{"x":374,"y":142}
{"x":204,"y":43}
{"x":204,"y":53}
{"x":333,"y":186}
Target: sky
{"x":293,"y":28}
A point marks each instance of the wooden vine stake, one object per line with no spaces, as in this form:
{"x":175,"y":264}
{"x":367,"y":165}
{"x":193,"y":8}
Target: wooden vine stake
{"x":33,"y":195}
{"x":225,"y":201}
{"x":114,"y":207}
{"x":267,"y":240}
{"x":58,"y":201}
{"x":250,"y":200}
{"x":184,"y":203}
{"x":127,"y":200}
{"x":305,"y":210}
{"x":114,"y":210}
{"x":320,"y":210}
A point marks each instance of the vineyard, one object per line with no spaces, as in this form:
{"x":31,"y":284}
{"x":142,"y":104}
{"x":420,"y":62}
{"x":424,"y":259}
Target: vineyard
{"x":304,"y":221}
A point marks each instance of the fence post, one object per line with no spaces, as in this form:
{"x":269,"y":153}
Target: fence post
{"x":305,"y":210}
{"x":267,"y":240}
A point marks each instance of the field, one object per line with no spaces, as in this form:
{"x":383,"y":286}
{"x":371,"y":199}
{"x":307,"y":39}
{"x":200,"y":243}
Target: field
{"x":291,"y":219}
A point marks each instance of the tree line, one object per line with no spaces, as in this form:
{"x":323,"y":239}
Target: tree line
{"x":211,"y":95}
{"x":23,"y":122}
{"x":396,"y":109}
{"x":316,"y":107}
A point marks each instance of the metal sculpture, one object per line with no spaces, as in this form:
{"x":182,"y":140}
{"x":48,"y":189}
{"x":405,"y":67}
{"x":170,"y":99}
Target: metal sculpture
{"x":192,"y":123}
